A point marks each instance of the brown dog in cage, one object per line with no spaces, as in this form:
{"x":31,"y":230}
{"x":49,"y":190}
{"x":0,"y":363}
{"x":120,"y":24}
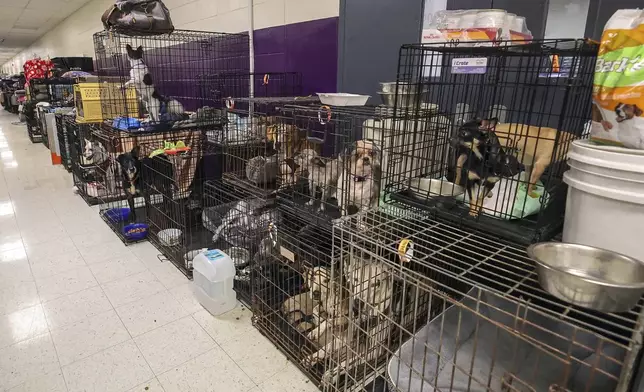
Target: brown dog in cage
{"x":537,"y":147}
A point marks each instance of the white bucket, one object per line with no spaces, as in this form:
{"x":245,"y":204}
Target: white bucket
{"x":605,"y":204}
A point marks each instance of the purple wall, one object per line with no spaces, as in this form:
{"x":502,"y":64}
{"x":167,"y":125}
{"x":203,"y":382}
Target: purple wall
{"x":310,"y":48}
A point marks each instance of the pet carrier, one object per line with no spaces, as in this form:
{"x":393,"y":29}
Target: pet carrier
{"x":513,"y":110}
{"x":459,"y":310}
{"x":338,"y":154}
{"x":241,"y":223}
{"x":174,"y":184}
{"x":86,"y":158}
{"x":121,"y":158}
{"x":167,"y":72}
{"x":249,"y":140}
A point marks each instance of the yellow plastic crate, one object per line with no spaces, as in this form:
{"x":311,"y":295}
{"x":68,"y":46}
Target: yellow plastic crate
{"x":96,"y":102}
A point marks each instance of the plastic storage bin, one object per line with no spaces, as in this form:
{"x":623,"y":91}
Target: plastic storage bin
{"x":214,"y":272}
{"x":605,"y":205}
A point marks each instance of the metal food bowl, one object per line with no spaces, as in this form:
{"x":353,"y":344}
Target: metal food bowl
{"x":590,"y":277}
{"x":431,"y":187}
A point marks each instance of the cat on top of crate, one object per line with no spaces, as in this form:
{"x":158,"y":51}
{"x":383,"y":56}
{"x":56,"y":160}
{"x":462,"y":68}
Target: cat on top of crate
{"x":141,"y":78}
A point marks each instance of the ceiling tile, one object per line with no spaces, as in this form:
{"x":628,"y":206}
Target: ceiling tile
{"x":22,"y":22}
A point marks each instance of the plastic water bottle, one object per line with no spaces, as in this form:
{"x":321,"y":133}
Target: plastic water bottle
{"x":214,"y":273}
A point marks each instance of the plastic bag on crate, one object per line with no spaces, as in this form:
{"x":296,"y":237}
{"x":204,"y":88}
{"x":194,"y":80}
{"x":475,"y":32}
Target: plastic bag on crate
{"x":138,"y":17}
{"x":618,"y":94}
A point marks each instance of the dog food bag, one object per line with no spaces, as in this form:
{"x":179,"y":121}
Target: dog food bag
{"x":618,"y":91}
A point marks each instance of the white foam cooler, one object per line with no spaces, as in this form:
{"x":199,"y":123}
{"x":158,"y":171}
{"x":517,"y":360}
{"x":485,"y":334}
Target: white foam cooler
{"x":214,"y":274}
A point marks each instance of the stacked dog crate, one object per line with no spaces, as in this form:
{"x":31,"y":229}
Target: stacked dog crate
{"x":241,"y":208}
{"x":451,"y":300}
{"x":157,"y":116}
{"x":299,"y":291}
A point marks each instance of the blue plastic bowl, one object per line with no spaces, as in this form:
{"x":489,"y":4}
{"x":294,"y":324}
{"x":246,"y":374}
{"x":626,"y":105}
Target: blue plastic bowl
{"x":136,"y":231}
{"x":117,"y":215}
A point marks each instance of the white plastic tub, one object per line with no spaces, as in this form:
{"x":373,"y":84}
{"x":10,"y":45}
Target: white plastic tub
{"x":343,"y":99}
{"x":605,"y":204}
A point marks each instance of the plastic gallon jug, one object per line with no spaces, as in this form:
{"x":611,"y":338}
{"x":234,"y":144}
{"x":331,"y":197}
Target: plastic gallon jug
{"x":214,"y":273}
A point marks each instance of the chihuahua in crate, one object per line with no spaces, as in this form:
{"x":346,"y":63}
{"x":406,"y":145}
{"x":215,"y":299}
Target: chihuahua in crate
{"x":483,"y":161}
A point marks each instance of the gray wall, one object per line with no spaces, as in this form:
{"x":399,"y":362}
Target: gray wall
{"x":371,"y":33}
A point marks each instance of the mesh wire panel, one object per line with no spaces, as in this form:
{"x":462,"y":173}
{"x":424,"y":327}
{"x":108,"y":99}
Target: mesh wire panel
{"x":481,"y":132}
{"x":172,"y":76}
{"x":431,"y":306}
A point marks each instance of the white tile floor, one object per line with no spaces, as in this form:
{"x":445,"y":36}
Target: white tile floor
{"x":79,"y":311}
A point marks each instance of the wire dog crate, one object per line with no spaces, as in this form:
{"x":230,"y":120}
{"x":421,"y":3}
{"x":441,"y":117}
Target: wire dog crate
{"x":121,"y":158}
{"x":64,"y":126}
{"x":175,"y":188}
{"x":169,"y":74}
{"x":486,"y":325}
{"x":296,"y":262}
{"x":513,"y":108}
{"x":249,"y":143}
{"x":338,"y":158}
{"x":85,"y":164}
{"x":240,"y":223}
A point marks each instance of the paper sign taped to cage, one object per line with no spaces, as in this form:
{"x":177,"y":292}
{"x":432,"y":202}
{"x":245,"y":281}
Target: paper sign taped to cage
{"x":477,"y":65}
{"x":287,"y":254}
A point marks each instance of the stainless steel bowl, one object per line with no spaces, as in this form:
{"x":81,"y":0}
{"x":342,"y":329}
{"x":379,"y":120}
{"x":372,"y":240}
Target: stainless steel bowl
{"x":590,"y":277}
{"x":404,"y":100}
{"x":402,"y":88}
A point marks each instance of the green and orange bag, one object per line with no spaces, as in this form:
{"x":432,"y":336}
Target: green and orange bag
{"x":618,"y":90}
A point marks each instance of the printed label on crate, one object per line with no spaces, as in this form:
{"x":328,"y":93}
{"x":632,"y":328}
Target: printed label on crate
{"x":477,"y":65}
{"x":559,"y":67}
{"x":287,"y":254}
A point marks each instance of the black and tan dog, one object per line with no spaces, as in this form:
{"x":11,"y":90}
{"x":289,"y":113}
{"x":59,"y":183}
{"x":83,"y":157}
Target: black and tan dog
{"x":483,"y":161}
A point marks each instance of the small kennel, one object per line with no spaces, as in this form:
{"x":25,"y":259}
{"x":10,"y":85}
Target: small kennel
{"x":169,"y":75}
{"x":282,"y":304}
{"x":498,"y":120}
{"x":242,"y":224}
{"x":471,"y":316}
{"x":64,"y":126}
{"x":85,"y":167}
{"x":121,"y":159}
{"x":176,"y":187}
{"x":338,"y":155}
{"x":249,"y":140}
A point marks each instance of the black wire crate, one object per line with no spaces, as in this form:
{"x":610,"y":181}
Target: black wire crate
{"x":282,"y":298}
{"x":485,"y":323}
{"x":64,"y":126}
{"x":337,"y":154}
{"x":250,"y":137}
{"x":121,"y":159}
{"x":312,"y":290}
{"x":242,"y":224}
{"x":56,"y":91}
{"x":498,"y":120}
{"x":88,"y":161}
{"x":176,"y":190}
{"x":158,"y":83}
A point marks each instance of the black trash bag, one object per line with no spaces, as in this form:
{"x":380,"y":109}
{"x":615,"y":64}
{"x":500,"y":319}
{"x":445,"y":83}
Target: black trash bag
{"x":138,"y":17}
